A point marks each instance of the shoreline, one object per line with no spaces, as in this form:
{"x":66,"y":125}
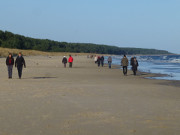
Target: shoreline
{"x":166,"y":75}
{"x":148,"y":75}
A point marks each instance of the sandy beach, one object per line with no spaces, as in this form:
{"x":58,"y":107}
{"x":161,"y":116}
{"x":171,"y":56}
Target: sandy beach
{"x":85,"y":100}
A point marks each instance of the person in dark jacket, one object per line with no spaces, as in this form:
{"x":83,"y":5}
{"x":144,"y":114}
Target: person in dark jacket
{"x":102,"y":61}
{"x":99,"y":61}
{"x":109,"y":61}
{"x":132,"y":61}
{"x":64,"y":61}
{"x":135,"y":65}
{"x":19,"y":64}
{"x":124,"y":63}
{"x":10,"y":63}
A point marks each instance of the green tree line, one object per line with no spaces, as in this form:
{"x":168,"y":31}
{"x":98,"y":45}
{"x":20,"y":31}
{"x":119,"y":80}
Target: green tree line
{"x":10,"y":40}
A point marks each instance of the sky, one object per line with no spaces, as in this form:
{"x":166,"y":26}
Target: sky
{"x":124,"y":23}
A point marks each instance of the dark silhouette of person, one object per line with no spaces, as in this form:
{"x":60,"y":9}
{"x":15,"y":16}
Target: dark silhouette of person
{"x":19,"y":64}
{"x":135,"y":66}
{"x":102,"y":61}
{"x":64,"y":61}
{"x":99,"y":61}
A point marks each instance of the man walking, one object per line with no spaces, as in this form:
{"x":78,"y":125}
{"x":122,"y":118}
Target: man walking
{"x":19,"y":64}
{"x":102,"y":61}
{"x":109,"y":61}
{"x":124,"y":63}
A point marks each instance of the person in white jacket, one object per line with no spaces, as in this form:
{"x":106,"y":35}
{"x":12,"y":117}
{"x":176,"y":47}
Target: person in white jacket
{"x":95,"y":59}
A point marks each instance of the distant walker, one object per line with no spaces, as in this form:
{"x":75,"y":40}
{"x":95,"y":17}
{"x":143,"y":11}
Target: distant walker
{"x":124,"y":63}
{"x":109,"y":61}
{"x":70,"y":60}
{"x":10,"y":63}
{"x":135,"y":65}
{"x":64,"y":61}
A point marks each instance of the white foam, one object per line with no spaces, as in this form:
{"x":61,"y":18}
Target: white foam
{"x":175,"y":61}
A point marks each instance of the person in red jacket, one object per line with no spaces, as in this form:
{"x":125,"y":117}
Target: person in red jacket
{"x":70,"y":60}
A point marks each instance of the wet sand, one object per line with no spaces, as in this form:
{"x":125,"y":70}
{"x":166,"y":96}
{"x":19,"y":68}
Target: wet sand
{"x":85,"y":100}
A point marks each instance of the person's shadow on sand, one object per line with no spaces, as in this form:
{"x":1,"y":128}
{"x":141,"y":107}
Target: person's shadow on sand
{"x":43,"y":77}
{"x":40,"y":77}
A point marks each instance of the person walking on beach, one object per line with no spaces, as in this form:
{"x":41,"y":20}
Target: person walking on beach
{"x":99,"y":61}
{"x":109,"y":61}
{"x":10,"y":63}
{"x":124,"y":63}
{"x":102,"y":61}
{"x":132,"y":61}
{"x":64,"y":61}
{"x":70,"y":60}
{"x":95,"y":59}
{"x":19,"y":64}
{"x":135,"y":65}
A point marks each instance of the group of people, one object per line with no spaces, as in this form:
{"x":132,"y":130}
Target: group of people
{"x":99,"y":60}
{"x":19,"y":63}
{"x":124,"y":63}
{"x":70,"y":60}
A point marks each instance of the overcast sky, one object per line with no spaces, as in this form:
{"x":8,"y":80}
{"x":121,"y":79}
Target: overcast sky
{"x":124,"y":23}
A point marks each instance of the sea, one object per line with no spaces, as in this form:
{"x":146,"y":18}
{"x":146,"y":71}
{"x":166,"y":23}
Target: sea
{"x":168,"y":65}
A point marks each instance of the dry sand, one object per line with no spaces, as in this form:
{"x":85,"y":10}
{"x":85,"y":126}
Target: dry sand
{"x":85,"y":100}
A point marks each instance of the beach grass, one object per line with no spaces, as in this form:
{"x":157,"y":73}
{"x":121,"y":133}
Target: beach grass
{"x":5,"y":51}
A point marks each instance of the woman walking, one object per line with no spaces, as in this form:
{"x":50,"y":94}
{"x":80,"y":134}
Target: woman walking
{"x":99,"y":61}
{"x":135,"y":65}
{"x":10,"y":63}
{"x":95,"y":59}
{"x":64,"y":61}
{"x":132,"y":61}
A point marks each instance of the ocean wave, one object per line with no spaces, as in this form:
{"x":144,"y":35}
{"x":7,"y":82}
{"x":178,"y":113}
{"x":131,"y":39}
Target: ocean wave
{"x":175,"y":61}
{"x":161,"y":59}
